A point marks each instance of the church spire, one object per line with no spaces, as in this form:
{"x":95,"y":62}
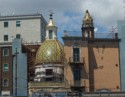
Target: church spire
{"x":51,"y":29}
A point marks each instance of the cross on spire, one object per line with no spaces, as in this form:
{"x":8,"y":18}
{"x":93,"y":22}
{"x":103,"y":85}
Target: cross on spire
{"x":51,"y":13}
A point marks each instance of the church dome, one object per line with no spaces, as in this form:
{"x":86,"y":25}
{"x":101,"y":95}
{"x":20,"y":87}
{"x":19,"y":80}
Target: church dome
{"x":51,"y":51}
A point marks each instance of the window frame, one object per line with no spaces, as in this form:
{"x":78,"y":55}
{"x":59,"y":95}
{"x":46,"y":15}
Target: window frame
{"x":18,"y":23}
{"x":76,"y":74}
{"x":5,"y":85}
{"x":18,"y":36}
{"x":76,"y":55}
{"x":7,"y":52}
{"x":6,"y":38}
{"x":6,"y":24}
{"x":4,"y":68}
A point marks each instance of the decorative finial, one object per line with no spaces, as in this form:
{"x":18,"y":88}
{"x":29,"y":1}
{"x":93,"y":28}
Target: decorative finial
{"x":51,"y":14}
{"x":87,"y":11}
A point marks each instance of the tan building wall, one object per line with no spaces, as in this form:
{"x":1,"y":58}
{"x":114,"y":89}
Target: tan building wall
{"x":100,"y":69}
{"x":104,"y":66}
{"x":68,"y":49}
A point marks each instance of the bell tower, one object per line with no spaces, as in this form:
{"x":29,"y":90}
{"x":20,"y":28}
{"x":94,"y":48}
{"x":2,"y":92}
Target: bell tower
{"x":87,"y":26}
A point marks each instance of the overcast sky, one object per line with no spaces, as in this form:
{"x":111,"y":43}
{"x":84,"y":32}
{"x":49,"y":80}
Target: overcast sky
{"x":68,"y":14}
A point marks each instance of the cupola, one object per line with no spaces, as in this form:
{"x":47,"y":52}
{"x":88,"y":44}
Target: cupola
{"x":51,"y":29}
{"x":51,"y":50}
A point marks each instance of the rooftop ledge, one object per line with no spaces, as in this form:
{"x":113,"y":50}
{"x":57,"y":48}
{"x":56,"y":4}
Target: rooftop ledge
{"x":103,"y":35}
{"x":46,"y":84}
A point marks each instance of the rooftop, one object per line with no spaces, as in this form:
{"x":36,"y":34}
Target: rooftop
{"x":22,"y":16}
{"x":96,"y":35}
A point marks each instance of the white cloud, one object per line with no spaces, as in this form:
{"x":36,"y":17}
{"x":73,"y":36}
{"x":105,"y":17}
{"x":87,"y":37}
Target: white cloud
{"x":105,"y":12}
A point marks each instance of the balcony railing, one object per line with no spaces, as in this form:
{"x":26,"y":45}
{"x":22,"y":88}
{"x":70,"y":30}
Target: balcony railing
{"x":76,"y":60}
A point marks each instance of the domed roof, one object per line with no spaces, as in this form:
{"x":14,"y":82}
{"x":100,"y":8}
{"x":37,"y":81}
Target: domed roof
{"x":51,"y":51}
{"x":87,"y":18}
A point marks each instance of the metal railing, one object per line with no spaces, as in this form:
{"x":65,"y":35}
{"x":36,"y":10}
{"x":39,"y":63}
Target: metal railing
{"x":76,"y":60}
{"x":103,"y":35}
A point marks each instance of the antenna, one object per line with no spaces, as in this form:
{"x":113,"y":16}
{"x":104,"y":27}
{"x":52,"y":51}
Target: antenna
{"x":51,"y":13}
{"x":113,"y":29}
{"x":37,"y":11}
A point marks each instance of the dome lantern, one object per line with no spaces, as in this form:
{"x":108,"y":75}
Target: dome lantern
{"x":51,"y":29}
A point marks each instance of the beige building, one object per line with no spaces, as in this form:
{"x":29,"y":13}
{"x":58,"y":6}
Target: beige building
{"x":31,"y":28}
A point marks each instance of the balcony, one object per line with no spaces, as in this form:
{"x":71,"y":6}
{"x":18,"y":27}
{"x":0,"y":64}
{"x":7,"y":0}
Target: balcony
{"x":78,"y":83}
{"x":76,"y":60}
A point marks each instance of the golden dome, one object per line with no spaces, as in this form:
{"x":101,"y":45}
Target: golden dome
{"x":87,"y":18}
{"x":50,"y":51}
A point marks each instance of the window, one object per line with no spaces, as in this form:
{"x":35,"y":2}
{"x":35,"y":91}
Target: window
{"x":50,"y":34}
{"x":76,"y":55}
{"x":5,"y":82}
{"x":5,"y":51}
{"x":5,"y":67}
{"x":49,"y":71}
{"x":5,"y":37}
{"x":18,"y":24}
{"x":77,"y":73}
{"x":5,"y":24}
{"x":18,"y":36}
